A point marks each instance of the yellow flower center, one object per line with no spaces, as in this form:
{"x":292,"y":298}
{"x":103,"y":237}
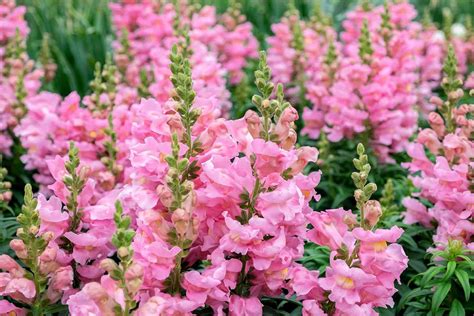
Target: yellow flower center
{"x":162,"y":157}
{"x":235,"y":237}
{"x":379,"y":245}
{"x":306,"y":193}
{"x":345,"y":282}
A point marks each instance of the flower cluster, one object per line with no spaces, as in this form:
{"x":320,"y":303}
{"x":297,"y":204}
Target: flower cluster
{"x":363,"y":267}
{"x":296,"y":54}
{"x":153,"y":202}
{"x":19,"y":79}
{"x":100,"y":124}
{"x":442,"y":165}
{"x":61,"y":240}
{"x":369,"y":84}
{"x":99,"y":130}
{"x":148,"y":30}
{"x":48,"y":275}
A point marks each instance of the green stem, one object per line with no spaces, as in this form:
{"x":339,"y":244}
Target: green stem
{"x":175,"y":276}
{"x":37,"y":308}
{"x":242,"y":276}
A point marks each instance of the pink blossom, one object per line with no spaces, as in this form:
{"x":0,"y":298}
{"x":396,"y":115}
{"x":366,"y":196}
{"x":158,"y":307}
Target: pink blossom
{"x":344,"y":282}
{"x":53,"y":219}
{"x":244,"y":306}
{"x":198,"y":286}
{"x":7,"y":308}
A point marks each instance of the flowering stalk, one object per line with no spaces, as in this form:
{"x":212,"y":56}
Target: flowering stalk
{"x":184,"y":95}
{"x":386,"y":27}
{"x":123,"y":56}
{"x":364,"y":190}
{"x":451,"y":85}
{"x":32,"y":246}
{"x":269,"y":109}
{"x":146,"y":79}
{"x":445,"y":177}
{"x":365,"y":45}
{"x":46,"y":60}
{"x":75,"y":182}
{"x":360,"y":254}
{"x":110,"y":160}
{"x":104,"y":87}
{"x":128,"y":275}
{"x":181,"y":171}
{"x":14,"y":50}
{"x":5,"y":187}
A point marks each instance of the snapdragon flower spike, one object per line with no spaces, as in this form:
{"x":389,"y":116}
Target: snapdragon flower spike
{"x":42,"y":282}
{"x":364,"y":190}
{"x":254,"y":198}
{"x":46,"y":60}
{"x":451,"y":85}
{"x":19,"y":79}
{"x":75,"y":182}
{"x":110,"y":160}
{"x":181,"y":171}
{"x":104,"y":88}
{"x":218,"y":50}
{"x":363,"y":266}
{"x":5,"y":187}
{"x":365,"y":44}
{"x":123,"y":55}
{"x":277,"y":115}
{"x":127,"y":274}
{"x":295,"y":54}
{"x":445,"y":180}
{"x":184,"y":94}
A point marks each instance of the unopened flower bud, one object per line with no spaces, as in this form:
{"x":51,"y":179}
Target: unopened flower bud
{"x":173,"y":93}
{"x":265,"y":103}
{"x":188,"y":185}
{"x":372,"y":212}
{"x":134,"y":277}
{"x":121,"y":60}
{"x":33,"y":230}
{"x":290,"y":141}
{"x":123,"y":252}
{"x":436,"y":101}
{"x":165,"y":195}
{"x":18,"y":246}
{"x":437,"y":123}
{"x":48,"y":236}
{"x":253,"y":123}
{"x":49,"y":254}
{"x":108,"y":265}
{"x":180,"y":219}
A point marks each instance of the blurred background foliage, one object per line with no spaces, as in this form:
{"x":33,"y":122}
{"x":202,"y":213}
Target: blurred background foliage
{"x":81,"y":33}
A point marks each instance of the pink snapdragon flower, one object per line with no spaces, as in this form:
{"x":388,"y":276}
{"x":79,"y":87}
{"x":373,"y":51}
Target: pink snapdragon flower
{"x":345,"y":283}
{"x":443,"y":181}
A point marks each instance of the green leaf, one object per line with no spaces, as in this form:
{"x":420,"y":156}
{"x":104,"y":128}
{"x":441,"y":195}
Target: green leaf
{"x":440,"y":294}
{"x":412,"y":294}
{"x":450,"y":270}
{"x":430,"y":273}
{"x":463,"y":278}
{"x":457,"y":309}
